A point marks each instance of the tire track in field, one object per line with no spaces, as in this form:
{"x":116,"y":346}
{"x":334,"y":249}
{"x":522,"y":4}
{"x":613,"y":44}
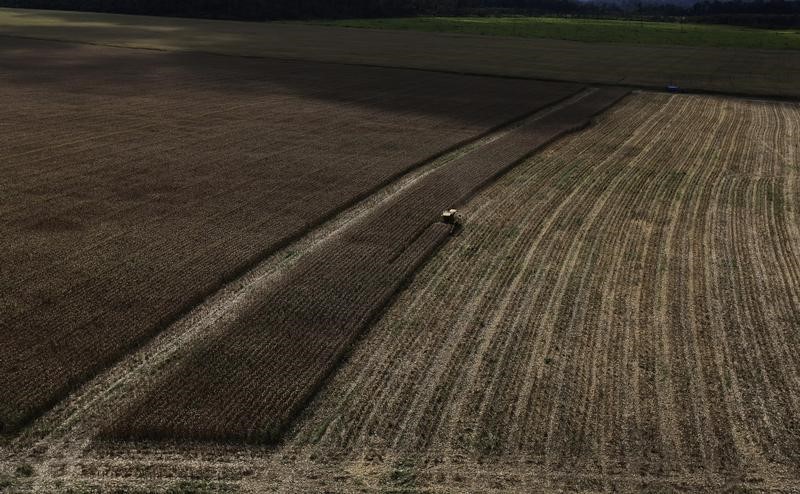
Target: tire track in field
{"x":553,"y":302}
{"x":697,"y":426}
{"x":567,"y":317}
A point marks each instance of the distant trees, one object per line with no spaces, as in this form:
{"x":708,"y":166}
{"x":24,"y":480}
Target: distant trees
{"x":248,"y":9}
{"x":756,"y":13}
{"x":747,"y":7}
{"x":297,"y":9}
{"x":766,"y":13}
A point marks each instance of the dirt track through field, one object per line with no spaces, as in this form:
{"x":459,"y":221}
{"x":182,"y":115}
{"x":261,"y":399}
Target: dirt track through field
{"x":257,"y":372}
{"x":137,"y":183}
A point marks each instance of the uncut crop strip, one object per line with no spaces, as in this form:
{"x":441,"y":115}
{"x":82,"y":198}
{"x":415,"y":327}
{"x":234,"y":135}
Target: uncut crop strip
{"x":135,"y":184}
{"x":248,"y":381}
{"x":624,"y":303}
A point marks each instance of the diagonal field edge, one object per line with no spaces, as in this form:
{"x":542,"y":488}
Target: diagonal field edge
{"x":251,"y":379}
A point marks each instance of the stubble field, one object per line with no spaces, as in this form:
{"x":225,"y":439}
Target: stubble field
{"x":622,"y":310}
{"x":225,"y":274}
{"x":619,"y":312}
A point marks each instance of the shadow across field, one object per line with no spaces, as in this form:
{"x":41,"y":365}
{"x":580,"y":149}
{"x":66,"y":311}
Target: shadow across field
{"x":106,"y":72}
{"x":725,"y":70}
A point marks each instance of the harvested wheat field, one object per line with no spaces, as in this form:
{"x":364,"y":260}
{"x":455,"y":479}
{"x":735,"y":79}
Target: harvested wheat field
{"x":619,"y":312}
{"x":137,"y":183}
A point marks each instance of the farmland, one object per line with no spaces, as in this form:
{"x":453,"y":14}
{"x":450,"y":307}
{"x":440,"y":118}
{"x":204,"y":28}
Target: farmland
{"x":623,"y":305}
{"x":619,"y":311}
{"x":733,"y":70}
{"x":298,"y":332}
{"x":592,"y":30}
{"x":123,"y":207}
{"x":231,"y":273}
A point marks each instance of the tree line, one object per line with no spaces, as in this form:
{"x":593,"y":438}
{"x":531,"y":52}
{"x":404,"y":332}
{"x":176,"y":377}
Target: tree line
{"x":765,"y":13}
{"x":249,"y":9}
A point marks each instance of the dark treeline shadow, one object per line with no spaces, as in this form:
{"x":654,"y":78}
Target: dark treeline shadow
{"x":755,"y":13}
{"x":107,"y":71}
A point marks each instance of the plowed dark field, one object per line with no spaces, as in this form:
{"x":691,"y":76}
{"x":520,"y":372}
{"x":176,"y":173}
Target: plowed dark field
{"x":135,"y":183}
{"x":257,"y":373}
